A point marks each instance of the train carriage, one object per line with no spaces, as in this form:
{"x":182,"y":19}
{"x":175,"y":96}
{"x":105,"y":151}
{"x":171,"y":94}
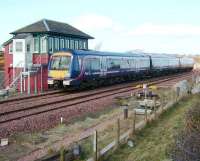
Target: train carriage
{"x":86,"y":66}
{"x":75,"y":67}
{"x":164,"y":64}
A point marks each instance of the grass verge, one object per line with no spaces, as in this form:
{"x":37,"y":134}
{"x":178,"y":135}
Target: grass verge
{"x":152,"y":142}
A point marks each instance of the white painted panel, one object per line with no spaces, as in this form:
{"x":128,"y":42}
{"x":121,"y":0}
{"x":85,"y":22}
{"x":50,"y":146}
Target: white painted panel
{"x":18,"y":57}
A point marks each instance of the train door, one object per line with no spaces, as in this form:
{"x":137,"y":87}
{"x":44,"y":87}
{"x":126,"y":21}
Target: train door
{"x":103,"y":66}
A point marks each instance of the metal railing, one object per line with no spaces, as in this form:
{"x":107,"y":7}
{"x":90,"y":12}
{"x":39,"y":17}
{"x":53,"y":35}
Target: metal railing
{"x":14,"y":79}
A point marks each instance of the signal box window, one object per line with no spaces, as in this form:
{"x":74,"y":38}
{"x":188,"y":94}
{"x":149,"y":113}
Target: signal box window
{"x":43,"y":44}
{"x":19,"y":47}
{"x":56,"y":43}
{"x":28,"y":47}
{"x":62,"y":44}
{"x":76,"y":45}
{"x":36,"y":44}
{"x":51,"y":45}
{"x":72,"y":44}
{"x":67,"y":43}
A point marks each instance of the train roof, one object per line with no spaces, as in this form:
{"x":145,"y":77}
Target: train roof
{"x":102,"y":53}
{"x":162,"y":55}
{"x":125,"y":54}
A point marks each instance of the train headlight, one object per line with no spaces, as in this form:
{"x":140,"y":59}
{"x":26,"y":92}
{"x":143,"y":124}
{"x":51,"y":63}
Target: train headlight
{"x":50,"y":82}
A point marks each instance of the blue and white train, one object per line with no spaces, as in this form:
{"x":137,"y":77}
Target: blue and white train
{"x":87,"y":67}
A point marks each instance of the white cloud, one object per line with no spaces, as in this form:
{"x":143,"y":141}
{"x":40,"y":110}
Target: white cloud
{"x":172,"y":30}
{"x":93,"y":22}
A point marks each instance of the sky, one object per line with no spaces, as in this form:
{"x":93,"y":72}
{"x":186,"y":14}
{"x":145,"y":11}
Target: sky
{"x":161,"y":26}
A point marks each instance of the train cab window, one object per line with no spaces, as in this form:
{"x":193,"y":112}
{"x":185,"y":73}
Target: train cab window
{"x":65,"y":62}
{"x":60,"y":62}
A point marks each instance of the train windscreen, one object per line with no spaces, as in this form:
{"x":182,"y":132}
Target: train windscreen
{"x":60,"y":63}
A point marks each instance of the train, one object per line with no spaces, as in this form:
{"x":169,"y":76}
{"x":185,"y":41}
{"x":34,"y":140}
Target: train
{"x":93,"y":68}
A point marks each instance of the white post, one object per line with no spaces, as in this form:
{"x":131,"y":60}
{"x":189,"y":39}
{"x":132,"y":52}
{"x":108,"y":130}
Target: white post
{"x":29,"y":89}
{"x":95,"y":146}
{"x":35,"y":84}
{"x":24,"y":84}
{"x":21,"y":83}
{"x":41,"y":79}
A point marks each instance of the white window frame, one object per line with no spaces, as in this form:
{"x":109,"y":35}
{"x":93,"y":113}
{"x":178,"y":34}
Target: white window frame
{"x":51,"y":45}
{"x":34,"y":45}
{"x":71,"y":44}
{"x":62,"y":43}
{"x":10,"y":46}
{"x":76,"y":47}
{"x":56,"y":43}
{"x":80,"y":44}
{"x":67,"y":43}
{"x":43,"y":44}
{"x":84,"y":44}
{"x":19,"y":48}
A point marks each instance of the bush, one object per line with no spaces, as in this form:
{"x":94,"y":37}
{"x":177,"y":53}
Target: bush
{"x":187,"y":144}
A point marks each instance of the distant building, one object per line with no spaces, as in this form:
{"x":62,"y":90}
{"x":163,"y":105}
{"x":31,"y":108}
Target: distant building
{"x":31,"y":46}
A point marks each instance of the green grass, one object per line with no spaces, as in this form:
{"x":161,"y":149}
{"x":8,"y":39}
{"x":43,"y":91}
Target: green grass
{"x":153,"y":142}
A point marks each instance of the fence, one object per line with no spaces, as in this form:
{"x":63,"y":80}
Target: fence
{"x":108,"y":135}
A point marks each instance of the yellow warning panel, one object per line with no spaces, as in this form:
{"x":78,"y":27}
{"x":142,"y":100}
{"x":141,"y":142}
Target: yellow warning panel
{"x":58,"y":74}
{"x":153,"y":87}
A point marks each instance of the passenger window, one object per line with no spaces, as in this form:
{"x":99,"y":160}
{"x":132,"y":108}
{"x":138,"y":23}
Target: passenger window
{"x":95,"y":64}
{"x":92,"y":64}
{"x":87,"y":65}
{"x":113,"y":64}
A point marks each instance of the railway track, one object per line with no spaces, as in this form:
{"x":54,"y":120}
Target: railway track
{"x":29,"y":97}
{"x":25,"y":110}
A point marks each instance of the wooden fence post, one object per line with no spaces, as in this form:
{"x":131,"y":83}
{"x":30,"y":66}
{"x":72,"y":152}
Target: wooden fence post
{"x":62,"y":154}
{"x":145,"y":117}
{"x":118,"y":133}
{"x":162,"y":104}
{"x":95,"y":146}
{"x":125,"y":109}
{"x":154,"y":108}
{"x":177,"y":93}
{"x":134,"y":121}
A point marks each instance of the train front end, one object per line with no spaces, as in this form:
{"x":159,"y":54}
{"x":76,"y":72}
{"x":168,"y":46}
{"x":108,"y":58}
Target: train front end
{"x":59,"y":70}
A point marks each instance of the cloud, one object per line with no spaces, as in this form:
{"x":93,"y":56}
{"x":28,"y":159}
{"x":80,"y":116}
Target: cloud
{"x":171,"y":30}
{"x":94,"y":22}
